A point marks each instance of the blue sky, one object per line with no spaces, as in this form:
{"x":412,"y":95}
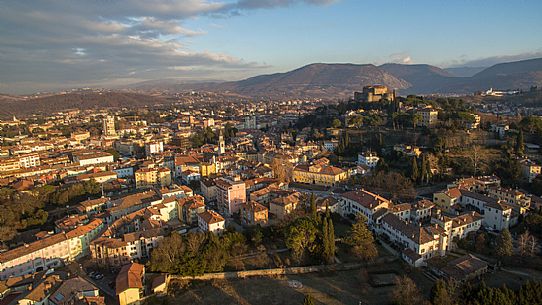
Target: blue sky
{"x":46,"y":45}
{"x":443,"y":33}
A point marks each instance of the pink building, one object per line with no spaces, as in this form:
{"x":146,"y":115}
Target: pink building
{"x":230,"y":195}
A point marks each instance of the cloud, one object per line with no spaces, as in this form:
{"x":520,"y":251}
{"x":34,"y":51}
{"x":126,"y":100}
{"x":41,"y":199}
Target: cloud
{"x":257,"y":4}
{"x":464,"y":61}
{"x":400,"y":58}
{"x":74,"y":42}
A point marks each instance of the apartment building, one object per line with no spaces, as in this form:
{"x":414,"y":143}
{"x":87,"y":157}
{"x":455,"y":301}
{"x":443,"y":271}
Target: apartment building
{"x":153,"y":148}
{"x":29,"y":160}
{"x":49,"y":252}
{"x":148,"y":177}
{"x":417,"y":243}
{"x":429,"y":117}
{"x":254,"y":213}
{"x":362,"y":202}
{"x":189,"y":208}
{"x":230,"y":194}
{"x":319,"y":174}
{"x":211,"y":221}
{"x":368,"y":158}
{"x":91,"y":158}
{"x":498,"y":215}
{"x":129,"y":284}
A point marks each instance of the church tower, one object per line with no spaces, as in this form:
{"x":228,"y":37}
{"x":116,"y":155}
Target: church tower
{"x":221,"y":144}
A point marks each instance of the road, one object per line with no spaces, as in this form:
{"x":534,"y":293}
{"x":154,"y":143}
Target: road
{"x":105,"y":290}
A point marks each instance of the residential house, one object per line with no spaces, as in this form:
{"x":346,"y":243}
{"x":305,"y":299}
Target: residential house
{"x":254,"y":213}
{"x":129,"y":284}
{"x":211,"y":221}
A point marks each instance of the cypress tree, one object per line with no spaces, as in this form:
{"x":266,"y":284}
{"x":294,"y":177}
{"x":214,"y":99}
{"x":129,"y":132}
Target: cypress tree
{"x":504,"y":244}
{"x":308,"y":300}
{"x":520,"y":145}
{"x":423,"y":173}
{"x":325,"y":241}
{"x":427,"y":169}
{"x":331,"y":240}
{"x":313,"y":209}
{"x":414,"y":173}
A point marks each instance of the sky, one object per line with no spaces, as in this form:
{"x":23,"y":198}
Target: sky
{"x":55,"y":44}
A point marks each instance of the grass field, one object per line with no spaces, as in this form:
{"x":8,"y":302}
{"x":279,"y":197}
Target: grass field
{"x":344,"y":287}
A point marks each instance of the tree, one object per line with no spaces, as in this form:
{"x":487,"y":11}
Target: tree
{"x":301,"y":236}
{"x":442,"y":293}
{"x":480,"y":244}
{"x":405,"y":292}
{"x":504,"y":244}
{"x":423,"y":173}
{"x":328,"y":241}
{"x":114,"y":152}
{"x":308,"y":300}
{"x":312,"y":207}
{"x":361,"y":240}
{"x":336,"y":123}
{"x":414,"y":173}
{"x":282,"y":169}
{"x":356,"y":121}
{"x":416,"y":118}
{"x":166,"y":256}
{"x":520,"y":145}
{"x":526,"y":244}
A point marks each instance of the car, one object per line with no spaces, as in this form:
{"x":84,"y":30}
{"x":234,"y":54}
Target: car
{"x":92,"y":274}
{"x":98,"y":276}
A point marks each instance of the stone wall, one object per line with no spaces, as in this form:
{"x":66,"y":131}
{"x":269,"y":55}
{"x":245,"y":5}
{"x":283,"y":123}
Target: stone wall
{"x":274,"y":271}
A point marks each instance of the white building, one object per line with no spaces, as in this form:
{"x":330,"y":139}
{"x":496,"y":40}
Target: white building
{"x":91,"y":158}
{"x":364,"y":202}
{"x":417,"y":243}
{"x":29,"y":160}
{"x":498,"y":215}
{"x":50,"y":252}
{"x":369,"y":159}
{"x":153,"y":148}
{"x":211,"y":221}
{"x":331,"y":145}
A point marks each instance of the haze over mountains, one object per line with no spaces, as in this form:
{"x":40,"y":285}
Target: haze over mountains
{"x":340,"y":80}
{"x":326,"y":81}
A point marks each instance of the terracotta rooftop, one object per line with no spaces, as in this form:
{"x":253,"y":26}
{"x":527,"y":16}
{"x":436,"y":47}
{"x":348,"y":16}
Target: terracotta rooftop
{"x":365,"y":198}
{"x":130,"y":276}
{"x":211,"y":217}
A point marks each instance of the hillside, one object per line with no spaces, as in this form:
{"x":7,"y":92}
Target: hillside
{"x":422,"y":78}
{"x":464,"y":71}
{"x":77,"y":100}
{"x":313,"y":81}
{"x":333,"y":81}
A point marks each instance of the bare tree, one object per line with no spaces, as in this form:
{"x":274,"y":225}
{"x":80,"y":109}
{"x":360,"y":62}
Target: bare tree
{"x":282,"y":169}
{"x":532,"y":246}
{"x":406,"y":292}
{"x":523,"y":240}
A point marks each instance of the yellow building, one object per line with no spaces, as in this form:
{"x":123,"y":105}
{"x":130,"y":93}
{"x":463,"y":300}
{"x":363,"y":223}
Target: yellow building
{"x":146,"y":177}
{"x":429,"y":117}
{"x":207,"y":169}
{"x":447,"y":198}
{"x":129,"y":284}
{"x":319,"y":174}
{"x":9,"y":164}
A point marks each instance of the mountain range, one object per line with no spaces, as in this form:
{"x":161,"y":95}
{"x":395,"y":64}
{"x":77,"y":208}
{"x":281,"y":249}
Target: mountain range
{"x":325,"y":81}
{"x":321,"y":80}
